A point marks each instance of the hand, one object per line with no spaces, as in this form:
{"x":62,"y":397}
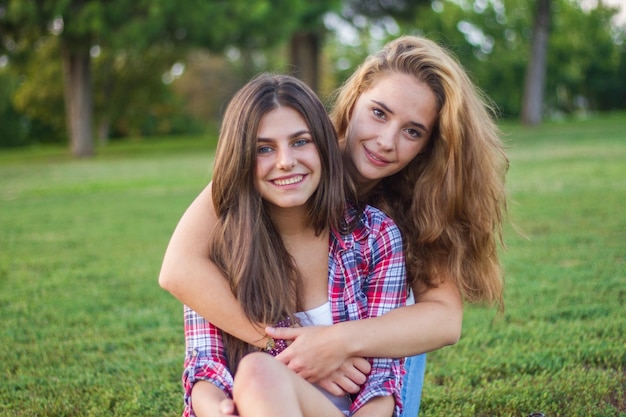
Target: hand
{"x":312,"y":354}
{"x":210,"y":401}
{"x":348,"y":378}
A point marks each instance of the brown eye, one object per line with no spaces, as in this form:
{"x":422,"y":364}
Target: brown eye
{"x":414,"y":133}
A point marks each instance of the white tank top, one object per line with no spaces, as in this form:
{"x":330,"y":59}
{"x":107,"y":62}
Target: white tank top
{"x":322,"y":316}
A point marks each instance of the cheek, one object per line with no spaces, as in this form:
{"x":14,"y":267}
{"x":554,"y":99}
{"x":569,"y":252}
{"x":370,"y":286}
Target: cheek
{"x":356,"y":127}
{"x":259,"y":170}
{"x":355,"y":134}
{"x":317,"y":167}
{"x":409,"y":152}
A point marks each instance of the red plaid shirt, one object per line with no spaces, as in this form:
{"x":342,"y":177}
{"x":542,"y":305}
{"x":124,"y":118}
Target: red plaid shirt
{"x":366,"y":278}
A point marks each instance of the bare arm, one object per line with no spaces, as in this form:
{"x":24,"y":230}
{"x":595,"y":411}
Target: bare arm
{"x":190,"y":276}
{"x":432,"y":322}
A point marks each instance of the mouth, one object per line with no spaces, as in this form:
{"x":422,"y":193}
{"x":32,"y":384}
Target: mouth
{"x":288,"y":181}
{"x":377,"y":159}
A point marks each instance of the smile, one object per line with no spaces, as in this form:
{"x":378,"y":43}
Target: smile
{"x":375,"y":158}
{"x":288,"y":181}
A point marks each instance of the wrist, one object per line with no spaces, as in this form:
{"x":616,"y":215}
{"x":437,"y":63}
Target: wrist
{"x":275,"y":346}
{"x":339,"y":335}
{"x":262,"y":340}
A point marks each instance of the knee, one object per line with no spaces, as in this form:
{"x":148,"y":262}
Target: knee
{"x":256,"y":372}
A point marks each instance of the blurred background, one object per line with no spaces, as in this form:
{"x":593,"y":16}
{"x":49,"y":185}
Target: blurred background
{"x":86,"y":72}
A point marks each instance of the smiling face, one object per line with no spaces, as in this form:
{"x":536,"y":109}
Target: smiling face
{"x":288,"y":166}
{"x":391,"y":123}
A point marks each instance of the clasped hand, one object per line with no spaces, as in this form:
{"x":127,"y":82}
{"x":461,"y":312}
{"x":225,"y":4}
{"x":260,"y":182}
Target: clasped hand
{"x":314,"y":356}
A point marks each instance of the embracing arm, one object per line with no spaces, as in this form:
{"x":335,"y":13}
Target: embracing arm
{"x":434,"y":321}
{"x":190,"y":276}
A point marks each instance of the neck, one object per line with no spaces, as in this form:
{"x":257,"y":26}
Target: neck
{"x":363,"y":185}
{"x":364,"y":188}
{"x":290,"y":221}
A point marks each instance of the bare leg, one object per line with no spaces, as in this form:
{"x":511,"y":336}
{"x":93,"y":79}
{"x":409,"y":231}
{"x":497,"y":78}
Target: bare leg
{"x":264,"y":387}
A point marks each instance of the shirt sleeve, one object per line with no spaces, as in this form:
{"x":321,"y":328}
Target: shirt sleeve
{"x":204,"y":357}
{"x":385,"y":288}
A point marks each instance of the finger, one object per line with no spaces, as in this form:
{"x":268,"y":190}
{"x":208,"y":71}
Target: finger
{"x":355,"y":375}
{"x":286,"y":333}
{"x":343,"y":384}
{"x":362,"y":365}
{"x":348,"y":385}
{"x":333,"y":388}
{"x":297,"y":366}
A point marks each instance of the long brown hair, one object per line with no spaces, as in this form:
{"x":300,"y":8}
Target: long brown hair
{"x":449,"y":201}
{"x":246,"y":245}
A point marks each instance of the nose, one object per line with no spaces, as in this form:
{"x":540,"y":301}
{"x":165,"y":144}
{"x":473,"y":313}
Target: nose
{"x":285,"y":158}
{"x":386,"y":139}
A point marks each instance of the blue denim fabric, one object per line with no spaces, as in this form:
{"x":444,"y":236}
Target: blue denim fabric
{"x":412,"y":384}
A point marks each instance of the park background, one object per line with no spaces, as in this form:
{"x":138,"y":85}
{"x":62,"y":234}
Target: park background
{"x":108,"y":121}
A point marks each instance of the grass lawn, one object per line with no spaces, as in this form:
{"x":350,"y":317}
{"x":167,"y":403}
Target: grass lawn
{"x":86,"y":330}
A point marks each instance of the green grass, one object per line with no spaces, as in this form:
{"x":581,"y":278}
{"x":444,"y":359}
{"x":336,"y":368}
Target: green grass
{"x":86,"y":330}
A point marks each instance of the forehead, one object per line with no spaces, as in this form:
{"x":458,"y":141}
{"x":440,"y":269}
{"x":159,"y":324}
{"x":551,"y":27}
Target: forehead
{"x":281,"y":120}
{"x":392,"y":83}
{"x":402,"y":94}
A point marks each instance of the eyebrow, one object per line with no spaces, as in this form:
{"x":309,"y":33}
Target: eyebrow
{"x":388,"y":110}
{"x":292,"y":136}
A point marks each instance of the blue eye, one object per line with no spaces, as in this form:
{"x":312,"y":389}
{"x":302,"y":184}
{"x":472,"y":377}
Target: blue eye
{"x":301,"y":142}
{"x":264,"y":149}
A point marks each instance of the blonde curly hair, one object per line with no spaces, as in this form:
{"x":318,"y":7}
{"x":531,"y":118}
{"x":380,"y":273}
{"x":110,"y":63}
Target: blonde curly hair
{"x":449,"y":201}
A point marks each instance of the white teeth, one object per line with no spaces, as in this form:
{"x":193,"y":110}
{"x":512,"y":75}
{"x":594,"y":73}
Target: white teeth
{"x":374,"y":157}
{"x":289,"y":181}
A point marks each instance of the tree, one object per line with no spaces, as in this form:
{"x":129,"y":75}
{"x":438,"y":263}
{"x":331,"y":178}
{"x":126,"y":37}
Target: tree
{"x":305,"y":43}
{"x":534,"y":84}
{"x":135,"y":26}
{"x":587,"y":60}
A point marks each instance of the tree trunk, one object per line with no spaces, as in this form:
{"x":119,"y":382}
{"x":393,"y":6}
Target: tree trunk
{"x":304,"y":56}
{"x":534,"y":85}
{"x":78,"y":99}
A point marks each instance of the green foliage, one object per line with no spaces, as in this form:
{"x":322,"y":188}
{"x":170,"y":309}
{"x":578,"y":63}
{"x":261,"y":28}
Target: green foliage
{"x":590,"y":62}
{"x":28,"y":113}
{"x":87,"y":331}
{"x":12,"y":129}
{"x":130,"y":97}
{"x":586,"y":53}
{"x":139,"y":42}
{"x":39,"y":96}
